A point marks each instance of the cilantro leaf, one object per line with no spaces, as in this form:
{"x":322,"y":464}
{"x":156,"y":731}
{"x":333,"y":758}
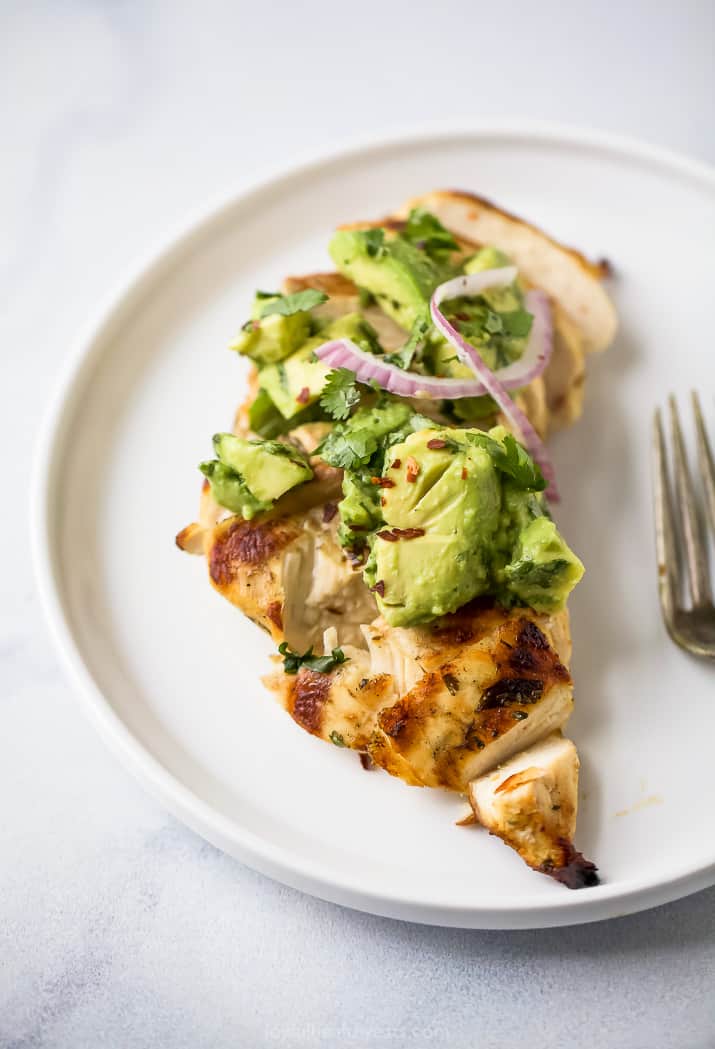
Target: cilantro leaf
{"x":340,"y":393}
{"x":427,"y":233}
{"x":347,"y":448}
{"x":403,"y":357}
{"x":287,"y":305}
{"x":512,"y":459}
{"x":292,"y":661}
{"x":517,"y":323}
{"x":519,"y":465}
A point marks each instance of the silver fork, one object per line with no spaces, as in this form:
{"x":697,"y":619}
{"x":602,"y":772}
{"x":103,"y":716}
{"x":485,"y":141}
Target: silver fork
{"x":692,"y":628}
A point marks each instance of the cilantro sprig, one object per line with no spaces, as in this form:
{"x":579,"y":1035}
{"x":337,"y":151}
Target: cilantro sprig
{"x":511,"y":459}
{"x":287,"y":305}
{"x":403,"y":357}
{"x":427,"y":233}
{"x":340,"y":393}
{"x":292,"y":661}
{"x":363,"y":437}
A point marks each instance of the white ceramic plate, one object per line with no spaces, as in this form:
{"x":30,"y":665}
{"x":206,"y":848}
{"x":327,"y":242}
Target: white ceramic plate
{"x":169,"y":672}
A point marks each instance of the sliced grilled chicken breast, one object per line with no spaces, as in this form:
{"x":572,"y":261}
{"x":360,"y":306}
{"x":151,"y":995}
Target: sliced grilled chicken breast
{"x":492,"y":683}
{"x":288,"y":574}
{"x":438,"y":706}
{"x":530,"y":802}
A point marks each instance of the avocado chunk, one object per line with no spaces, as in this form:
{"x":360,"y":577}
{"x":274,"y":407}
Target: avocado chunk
{"x":359,"y":509}
{"x":399,"y":275}
{"x":269,"y":468}
{"x":267,"y":338}
{"x":265,"y":420}
{"x":441,"y":519}
{"x":543,"y":571}
{"x":249,"y":476}
{"x":487,"y":258}
{"x":230,"y":491}
{"x":298,"y":381}
{"x":463,"y":516}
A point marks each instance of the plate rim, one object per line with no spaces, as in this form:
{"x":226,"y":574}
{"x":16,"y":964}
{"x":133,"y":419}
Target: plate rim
{"x":277,"y":862}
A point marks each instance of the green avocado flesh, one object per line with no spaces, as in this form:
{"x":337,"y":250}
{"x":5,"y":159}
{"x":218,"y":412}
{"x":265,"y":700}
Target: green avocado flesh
{"x":436,"y":511}
{"x":397,"y":273}
{"x":298,"y":382}
{"x":248,"y":476}
{"x":456,"y":527}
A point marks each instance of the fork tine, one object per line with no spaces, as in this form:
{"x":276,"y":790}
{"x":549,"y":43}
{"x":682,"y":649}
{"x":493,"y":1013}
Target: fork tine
{"x":705,"y":459}
{"x":692,"y":532}
{"x":666,"y":550}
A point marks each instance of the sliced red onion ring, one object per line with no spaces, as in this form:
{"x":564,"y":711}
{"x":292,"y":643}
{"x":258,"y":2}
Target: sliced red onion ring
{"x":474,"y":284}
{"x":343,"y":353}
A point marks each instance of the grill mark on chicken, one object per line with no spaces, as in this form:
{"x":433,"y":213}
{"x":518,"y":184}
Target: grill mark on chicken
{"x":512,"y":690}
{"x":242,"y":542}
{"x":307,"y":699}
{"x":393,"y":720}
{"x":528,"y":658}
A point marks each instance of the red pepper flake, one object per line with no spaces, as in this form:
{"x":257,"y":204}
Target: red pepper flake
{"x":357,"y":528}
{"x":408,"y":533}
{"x":437,"y":442}
{"x":383,"y":501}
{"x":382,"y":482}
{"x":464,"y":473}
{"x":396,"y":534}
{"x":329,"y":512}
{"x":413,"y":468}
{"x":388,"y":537}
{"x":304,"y":395}
{"x":461,"y":316}
{"x":367,"y":763}
{"x":396,"y":465}
{"x":379,"y":588}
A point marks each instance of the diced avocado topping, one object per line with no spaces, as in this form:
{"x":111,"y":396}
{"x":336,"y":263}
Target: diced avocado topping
{"x":440,"y":521}
{"x":298,"y":381}
{"x":279,"y":324}
{"x":487,"y":258}
{"x":230,"y":491}
{"x":461,"y":516}
{"x":543,"y":570}
{"x":265,"y":419}
{"x":248,"y":476}
{"x":400,"y":275}
{"x":438,"y":513}
{"x":494,"y":322}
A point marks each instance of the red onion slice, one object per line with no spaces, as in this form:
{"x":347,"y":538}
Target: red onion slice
{"x":474,"y":284}
{"x":344,"y":353}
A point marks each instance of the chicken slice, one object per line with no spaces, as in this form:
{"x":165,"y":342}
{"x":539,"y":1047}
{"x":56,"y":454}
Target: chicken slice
{"x":288,"y":574}
{"x":530,"y":802}
{"x":564,"y":273}
{"x":492,"y":683}
{"x":340,"y":707}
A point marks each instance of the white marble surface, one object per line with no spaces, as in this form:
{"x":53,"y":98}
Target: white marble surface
{"x":118,"y":927}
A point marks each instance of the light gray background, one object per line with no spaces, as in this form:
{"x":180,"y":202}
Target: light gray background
{"x":118,"y":927}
